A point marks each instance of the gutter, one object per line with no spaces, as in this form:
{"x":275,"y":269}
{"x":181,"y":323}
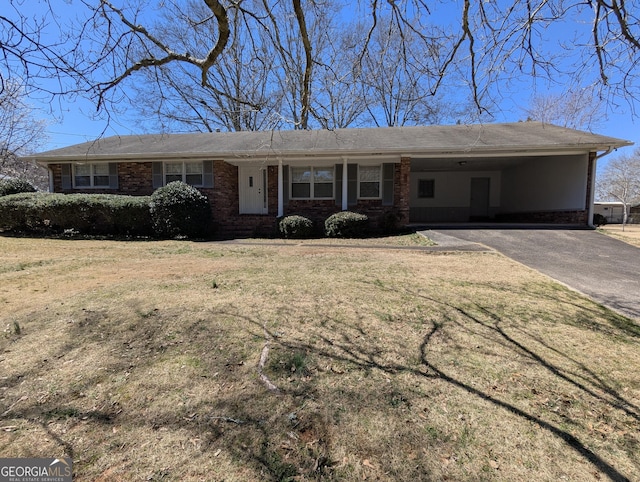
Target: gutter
{"x":328,"y":154}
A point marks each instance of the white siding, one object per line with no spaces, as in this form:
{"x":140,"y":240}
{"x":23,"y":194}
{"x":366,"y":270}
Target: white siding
{"x":546,"y":184}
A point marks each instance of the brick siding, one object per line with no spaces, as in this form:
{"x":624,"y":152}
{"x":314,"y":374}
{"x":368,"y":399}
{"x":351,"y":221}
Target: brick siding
{"x":546,"y":217}
{"x":134,"y":179}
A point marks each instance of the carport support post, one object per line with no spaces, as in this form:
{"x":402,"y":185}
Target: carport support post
{"x":280,"y":189}
{"x":345,"y":185}
{"x":591,"y":185}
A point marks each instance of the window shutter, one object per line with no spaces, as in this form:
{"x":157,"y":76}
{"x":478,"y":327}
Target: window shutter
{"x":66,"y":176}
{"x":285,"y":185}
{"x":157,"y":173}
{"x":207,"y":170}
{"x":352,"y":184}
{"x":339,"y":185}
{"x":113,"y":175}
{"x":388,"y":171}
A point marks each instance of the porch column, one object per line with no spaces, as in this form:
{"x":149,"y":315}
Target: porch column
{"x":280,"y":189}
{"x":345,"y":185}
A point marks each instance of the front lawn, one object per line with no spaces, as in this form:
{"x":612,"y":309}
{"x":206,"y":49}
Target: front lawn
{"x":211,"y":361}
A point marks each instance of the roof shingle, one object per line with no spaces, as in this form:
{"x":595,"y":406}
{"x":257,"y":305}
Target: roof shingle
{"x":423,"y":141}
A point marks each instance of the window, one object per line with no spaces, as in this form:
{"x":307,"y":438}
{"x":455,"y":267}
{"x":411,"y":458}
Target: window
{"x":369,"y":181}
{"x":312,"y":182}
{"x":91,"y":175}
{"x":426,"y":188}
{"x":188,"y":172}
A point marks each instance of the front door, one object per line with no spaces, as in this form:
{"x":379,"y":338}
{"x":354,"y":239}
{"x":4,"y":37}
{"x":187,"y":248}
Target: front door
{"x":479,"y":198}
{"x":252,"y":184}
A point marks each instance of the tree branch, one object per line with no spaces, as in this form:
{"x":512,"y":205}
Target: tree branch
{"x":306,"y":83}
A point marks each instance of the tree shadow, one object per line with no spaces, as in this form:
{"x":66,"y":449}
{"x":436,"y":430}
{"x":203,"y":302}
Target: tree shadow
{"x":283,"y":439}
{"x":369,"y":357}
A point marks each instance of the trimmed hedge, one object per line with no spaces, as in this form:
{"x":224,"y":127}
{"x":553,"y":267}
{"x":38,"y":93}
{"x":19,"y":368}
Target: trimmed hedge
{"x":15,"y":186}
{"x":296,"y":227}
{"x":103,"y":214}
{"x":180,"y":210}
{"x":346,"y":224}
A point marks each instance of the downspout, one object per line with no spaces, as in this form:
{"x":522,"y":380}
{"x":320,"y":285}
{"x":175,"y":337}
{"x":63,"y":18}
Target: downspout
{"x":593,"y":185}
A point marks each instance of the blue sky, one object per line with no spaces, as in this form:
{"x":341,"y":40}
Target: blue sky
{"x":72,"y":122}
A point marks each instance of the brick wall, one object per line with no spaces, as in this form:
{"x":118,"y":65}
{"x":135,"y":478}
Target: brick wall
{"x":135,"y":178}
{"x":225,"y":204}
{"x":546,"y":217}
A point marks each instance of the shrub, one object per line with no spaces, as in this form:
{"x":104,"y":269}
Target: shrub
{"x":390,"y":222}
{"x":599,"y":220}
{"x":180,"y":210}
{"x":296,"y":227}
{"x":346,"y":224}
{"x":15,"y":186}
{"x":105,"y":214}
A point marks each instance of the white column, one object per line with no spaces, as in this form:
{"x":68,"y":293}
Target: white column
{"x":345,"y":191}
{"x":280,"y":189}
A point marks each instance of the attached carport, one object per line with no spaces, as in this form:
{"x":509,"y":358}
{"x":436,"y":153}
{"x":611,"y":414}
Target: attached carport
{"x":528,"y":173}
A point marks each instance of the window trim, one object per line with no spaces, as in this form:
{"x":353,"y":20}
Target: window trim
{"x":380,"y":180}
{"x":92,"y":175}
{"x":312,"y":182}
{"x":184,"y":173}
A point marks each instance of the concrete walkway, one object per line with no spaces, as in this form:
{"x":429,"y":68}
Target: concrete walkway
{"x":602,"y":267}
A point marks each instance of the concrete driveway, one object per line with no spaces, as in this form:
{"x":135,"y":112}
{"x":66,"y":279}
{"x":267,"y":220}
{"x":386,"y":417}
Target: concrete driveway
{"x":604,"y":268}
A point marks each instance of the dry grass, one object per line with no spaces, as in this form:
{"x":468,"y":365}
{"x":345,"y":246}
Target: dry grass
{"x":404,"y":240}
{"x":140,"y":361}
{"x":630,"y":233}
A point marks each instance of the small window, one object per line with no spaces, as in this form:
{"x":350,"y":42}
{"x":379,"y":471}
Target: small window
{"x":187,"y":172}
{"x":312,"y":182}
{"x":426,"y":188}
{"x":369,"y":181}
{"x":101,"y":174}
{"x":91,"y":175}
{"x":193,"y":173}
{"x":300,"y":182}
{"x":323,"y":182}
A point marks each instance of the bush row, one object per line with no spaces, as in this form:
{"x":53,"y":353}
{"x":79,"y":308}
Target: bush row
{"x":14,"y":186}
{"x":175,"y":210}
{"x":103,"y":214}
{"x":345,"y":224}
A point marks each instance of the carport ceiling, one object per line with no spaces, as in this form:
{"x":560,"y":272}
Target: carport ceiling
{"x":467,"y":163}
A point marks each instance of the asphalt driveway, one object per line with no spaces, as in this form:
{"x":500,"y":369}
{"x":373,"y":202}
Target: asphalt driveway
{"x":604,"y":268}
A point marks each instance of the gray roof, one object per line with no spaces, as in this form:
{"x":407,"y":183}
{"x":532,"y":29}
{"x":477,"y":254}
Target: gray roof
{"x":525,"y":138}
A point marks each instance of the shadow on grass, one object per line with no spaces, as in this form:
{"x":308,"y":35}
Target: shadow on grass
{"x":281,"y":440}
{"x":368,"y":357}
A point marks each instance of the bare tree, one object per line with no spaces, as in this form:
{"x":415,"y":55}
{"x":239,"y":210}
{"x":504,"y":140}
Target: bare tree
{"x":620,"y":181}
{"x":489,"y":44}
{"x":396,"y":76}
{"x":339,"y":100}
{"x":21,"y":132}
{"x":576,"y":109}
{"x":238,"y":94}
